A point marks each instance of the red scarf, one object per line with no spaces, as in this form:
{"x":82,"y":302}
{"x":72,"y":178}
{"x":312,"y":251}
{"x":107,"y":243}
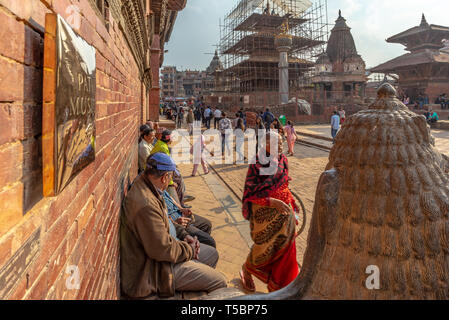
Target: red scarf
{"x":258,"y":186}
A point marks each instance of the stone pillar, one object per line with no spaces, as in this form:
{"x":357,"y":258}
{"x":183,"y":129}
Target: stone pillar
{"x":283,"y":44}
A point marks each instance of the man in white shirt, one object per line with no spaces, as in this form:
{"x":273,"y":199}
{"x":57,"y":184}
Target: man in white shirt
{"x":217,"y":117}
{"x":223,"y":125}
{"x":335,"y":125}
{"x":207,"y":116}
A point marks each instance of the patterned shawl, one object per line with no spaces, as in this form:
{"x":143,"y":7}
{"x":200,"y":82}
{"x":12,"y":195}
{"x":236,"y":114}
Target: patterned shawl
{"x":259,"y":186}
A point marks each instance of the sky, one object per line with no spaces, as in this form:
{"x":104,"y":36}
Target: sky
{"x":197,"y":30}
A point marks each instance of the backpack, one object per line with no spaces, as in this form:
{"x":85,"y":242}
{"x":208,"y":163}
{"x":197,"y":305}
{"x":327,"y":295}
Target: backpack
{"x":269,"y":118}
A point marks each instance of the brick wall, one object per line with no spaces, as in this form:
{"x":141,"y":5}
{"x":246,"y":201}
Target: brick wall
{"x":80,"y":226}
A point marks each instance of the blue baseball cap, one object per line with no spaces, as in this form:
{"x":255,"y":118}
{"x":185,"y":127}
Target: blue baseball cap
{"x":163,"y":162}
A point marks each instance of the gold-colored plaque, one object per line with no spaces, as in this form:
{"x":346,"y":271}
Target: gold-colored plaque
{"x":68,"y":143}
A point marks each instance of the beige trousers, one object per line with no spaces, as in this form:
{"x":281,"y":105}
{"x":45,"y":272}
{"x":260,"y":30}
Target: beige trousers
{"x":199,"y":275}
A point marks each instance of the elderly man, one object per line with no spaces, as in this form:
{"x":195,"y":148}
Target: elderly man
{"x":157,"y":257}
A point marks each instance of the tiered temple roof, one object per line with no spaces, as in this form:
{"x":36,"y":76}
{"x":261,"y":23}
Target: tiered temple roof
{"x":424,"y":43}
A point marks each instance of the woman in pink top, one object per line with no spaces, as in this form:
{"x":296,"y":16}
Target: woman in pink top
{"x":197,"y":151}
{"x":291,"y":137}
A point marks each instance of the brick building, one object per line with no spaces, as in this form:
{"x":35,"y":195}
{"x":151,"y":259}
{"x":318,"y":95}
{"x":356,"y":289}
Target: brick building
{"x":47,"y":243}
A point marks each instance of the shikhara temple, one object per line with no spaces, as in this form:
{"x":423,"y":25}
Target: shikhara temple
{"x":340,"y":71}
{"x":425,"y":69}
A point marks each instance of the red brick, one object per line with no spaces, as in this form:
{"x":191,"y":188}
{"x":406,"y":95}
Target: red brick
{"x":56,"y":263}
{"x":11,"y":158}
{"x":39,"y":289}
{"x":85,"y":216}
{"x":13,"y":77}
{"x":20,"y":289}
{"x":19,"y":122}
{"x":5,"y":249}
{"x":11,"y":207}
{"x":54,"y":236}
{"x":60,"y":205}
{"x":24,"y":230}
{"x":33,"y":12}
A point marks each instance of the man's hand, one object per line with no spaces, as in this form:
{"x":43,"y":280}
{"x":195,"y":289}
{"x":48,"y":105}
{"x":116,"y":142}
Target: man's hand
{"x":195,"y":244}
{"x":186,"y":212}
{"x":183,"y":221}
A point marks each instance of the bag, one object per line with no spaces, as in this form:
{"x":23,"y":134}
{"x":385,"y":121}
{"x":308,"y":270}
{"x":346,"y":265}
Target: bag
{"x":269,"y":118}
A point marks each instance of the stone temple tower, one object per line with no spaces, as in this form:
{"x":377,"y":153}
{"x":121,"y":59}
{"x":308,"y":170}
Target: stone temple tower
{"x":340,"y":71}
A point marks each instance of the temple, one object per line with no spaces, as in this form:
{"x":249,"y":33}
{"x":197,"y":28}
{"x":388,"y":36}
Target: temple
{"x":425,"y":69}
{"x":256,"y":60}
{"x":340,"y":71}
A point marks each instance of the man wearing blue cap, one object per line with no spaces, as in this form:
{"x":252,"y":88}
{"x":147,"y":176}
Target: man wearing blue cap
{"x":159,"y":258}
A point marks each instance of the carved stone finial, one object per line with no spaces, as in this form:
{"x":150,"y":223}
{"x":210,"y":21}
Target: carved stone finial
{"x":339,"y":13}
{"x":386,"y":91}
{"x":424,"y":21}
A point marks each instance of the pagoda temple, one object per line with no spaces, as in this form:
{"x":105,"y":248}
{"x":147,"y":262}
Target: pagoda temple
{"x":425,"y":69}
{"x":340,"y":71}
{"x":257,"y":53}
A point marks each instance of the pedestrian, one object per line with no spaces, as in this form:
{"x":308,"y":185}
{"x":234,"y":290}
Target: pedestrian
{"x":217,"y":117}
{"x":433,"y":117}
{"x":291,"y":137}
{"x":180,"y":117}
{"x":190,"y":120}
{"x":407,"y":100}
{"x":145,"y":147}
{"x":224,"y":126}
{"x":208,"y":116}
{"x":157,"y":257}
{"x":239,"y":133}
{"x":268,"y":118}
{"x":270,"y":207}
{"x":260,"y":130}
{"x":277,"y":126}
{"x":342,"y":114}
{"x":335,"y":125}
{"x":197,"y":150}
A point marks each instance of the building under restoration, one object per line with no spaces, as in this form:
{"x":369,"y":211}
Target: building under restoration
{"x":250,"y":45}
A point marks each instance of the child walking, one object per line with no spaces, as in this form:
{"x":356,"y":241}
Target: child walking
{"x":197,"y":151}
{"x":291,"y":137}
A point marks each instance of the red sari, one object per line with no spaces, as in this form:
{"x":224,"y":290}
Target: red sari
{"x":272,"y":258}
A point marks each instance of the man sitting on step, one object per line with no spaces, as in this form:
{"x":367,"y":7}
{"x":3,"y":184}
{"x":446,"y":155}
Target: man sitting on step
{"x":158,"y":258}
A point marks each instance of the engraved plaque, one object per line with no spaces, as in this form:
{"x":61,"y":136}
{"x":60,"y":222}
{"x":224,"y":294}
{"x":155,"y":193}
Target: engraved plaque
{"x":14,"y":269}
{"x":69,"y":105}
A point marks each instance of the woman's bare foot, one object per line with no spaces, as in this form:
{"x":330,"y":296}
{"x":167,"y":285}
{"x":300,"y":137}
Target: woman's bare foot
{"x":247,"y":281}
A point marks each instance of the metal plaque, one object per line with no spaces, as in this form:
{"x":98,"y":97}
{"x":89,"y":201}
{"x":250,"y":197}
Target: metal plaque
{"x":73,"y":105}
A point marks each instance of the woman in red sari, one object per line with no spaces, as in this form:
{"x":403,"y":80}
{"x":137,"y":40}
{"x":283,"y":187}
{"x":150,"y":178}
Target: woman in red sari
{"x":269,"y":206}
